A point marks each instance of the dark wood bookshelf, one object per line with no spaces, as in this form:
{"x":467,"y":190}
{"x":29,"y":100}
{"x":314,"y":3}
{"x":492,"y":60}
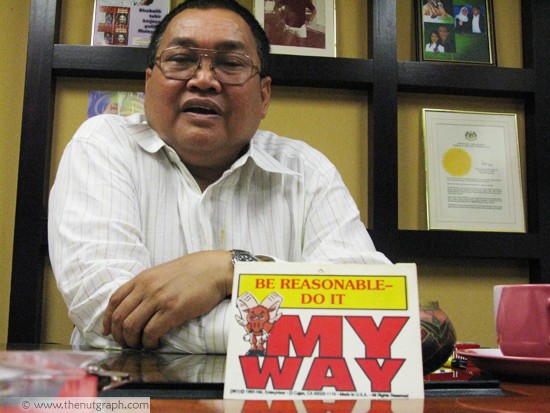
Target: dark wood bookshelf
{"x":381,"y":76}
{"x":129,"y":63}
{"x":464,"y":79}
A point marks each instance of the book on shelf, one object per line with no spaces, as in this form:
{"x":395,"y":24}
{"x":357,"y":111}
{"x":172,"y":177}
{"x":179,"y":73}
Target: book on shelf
{"x":126,"y":22}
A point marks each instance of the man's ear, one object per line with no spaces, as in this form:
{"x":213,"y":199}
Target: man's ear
{"x":148,"y":73}
{"x":265,"y":90}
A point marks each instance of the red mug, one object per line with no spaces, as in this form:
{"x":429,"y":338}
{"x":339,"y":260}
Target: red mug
{"x":523,"y":319}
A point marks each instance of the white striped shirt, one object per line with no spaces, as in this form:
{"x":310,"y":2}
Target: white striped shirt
{"x":123,"y":202}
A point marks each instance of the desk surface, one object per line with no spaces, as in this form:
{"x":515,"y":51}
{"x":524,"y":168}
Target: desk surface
{"x":517,"y":398}
{"x":194,"y":383}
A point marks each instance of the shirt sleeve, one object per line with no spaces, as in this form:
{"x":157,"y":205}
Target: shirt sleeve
{"x":333,"y":229}
{"x":94,"y":234}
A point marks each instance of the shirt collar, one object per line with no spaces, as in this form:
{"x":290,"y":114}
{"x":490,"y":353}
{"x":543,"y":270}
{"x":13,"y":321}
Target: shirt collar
{"x":262,"y":159}
{"x":145,"y":137}
{"x":151,"y":142}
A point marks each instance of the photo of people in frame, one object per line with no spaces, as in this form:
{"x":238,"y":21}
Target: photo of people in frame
{"x":121,"y":39}
{"x":456,"y":31}
{"x":299,"y":27}
{"x":122,"y":19}
{"x":297,"y":23}
{"x":437,"y":11}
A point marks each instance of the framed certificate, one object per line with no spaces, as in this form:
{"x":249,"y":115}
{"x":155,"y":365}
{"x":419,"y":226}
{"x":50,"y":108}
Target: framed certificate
{"x":305,"y":27}
{"x":473,"y":171}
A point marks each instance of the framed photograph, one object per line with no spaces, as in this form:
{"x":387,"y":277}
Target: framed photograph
{"x":473,"y":177}
{"x":455,"y":31}
{"x":126,"y":22}
{"x":299,"y":27}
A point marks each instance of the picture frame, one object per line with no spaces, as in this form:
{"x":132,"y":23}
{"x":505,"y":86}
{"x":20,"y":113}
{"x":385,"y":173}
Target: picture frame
{"x":447,"y":31}
{"x":126,"y":23}
{"x":473,"y":175}
{"x":304,"y":32}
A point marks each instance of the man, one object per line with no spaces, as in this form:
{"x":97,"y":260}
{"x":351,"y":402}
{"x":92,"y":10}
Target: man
{"x":146,"y":210}
{"x":297,"y":14}
{"x":447,"y":40}
{"x":478,"y":22}
{"x":121,"y":39}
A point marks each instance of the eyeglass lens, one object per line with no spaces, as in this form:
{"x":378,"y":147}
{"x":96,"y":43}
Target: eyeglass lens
{"x":229,"y":67}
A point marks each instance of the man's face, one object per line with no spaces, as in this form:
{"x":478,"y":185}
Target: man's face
{"x":475,"y":11}
{"x":443,"y":33}
{"x":206,"y":122}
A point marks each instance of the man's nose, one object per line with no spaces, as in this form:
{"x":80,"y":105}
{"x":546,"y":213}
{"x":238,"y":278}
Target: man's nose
{"x":204,"y":76}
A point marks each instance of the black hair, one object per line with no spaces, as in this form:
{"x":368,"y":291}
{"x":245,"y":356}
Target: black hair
{"x":436,"y":32}
{"x":262,"y":42}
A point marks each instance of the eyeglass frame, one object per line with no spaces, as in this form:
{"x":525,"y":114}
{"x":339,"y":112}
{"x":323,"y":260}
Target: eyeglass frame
{"x":254,"y":70}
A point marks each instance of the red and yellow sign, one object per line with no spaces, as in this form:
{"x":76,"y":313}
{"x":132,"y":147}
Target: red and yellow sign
{"x":330,"y":291}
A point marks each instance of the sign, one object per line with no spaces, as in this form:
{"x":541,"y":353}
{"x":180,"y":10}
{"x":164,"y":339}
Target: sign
{"x":324,"y":331}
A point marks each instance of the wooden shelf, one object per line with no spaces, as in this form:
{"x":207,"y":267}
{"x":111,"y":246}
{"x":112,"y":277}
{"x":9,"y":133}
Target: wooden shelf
{"x":130,"y":63}
{"x":463,"y":79}
{"x":324,"y":72}
{"x":460,"y":244}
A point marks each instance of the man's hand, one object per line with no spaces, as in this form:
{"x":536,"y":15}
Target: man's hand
{"x":141,"y":311}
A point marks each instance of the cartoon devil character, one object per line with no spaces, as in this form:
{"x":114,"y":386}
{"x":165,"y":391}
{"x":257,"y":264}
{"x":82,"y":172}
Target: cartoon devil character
{"x":258,"y":319}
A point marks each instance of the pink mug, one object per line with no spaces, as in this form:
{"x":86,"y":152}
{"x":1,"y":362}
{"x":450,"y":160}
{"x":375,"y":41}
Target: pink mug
{"x":523,"y":319}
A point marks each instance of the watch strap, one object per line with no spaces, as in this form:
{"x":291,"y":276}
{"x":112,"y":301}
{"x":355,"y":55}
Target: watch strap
{"x":242,"y":256}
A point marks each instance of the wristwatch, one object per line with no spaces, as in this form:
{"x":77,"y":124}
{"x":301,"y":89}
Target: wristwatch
{"x":242,"y":256}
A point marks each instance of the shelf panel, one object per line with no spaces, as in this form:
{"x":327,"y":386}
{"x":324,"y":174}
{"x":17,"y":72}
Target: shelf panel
{"x":326,"y":72}
{"x":468,"y":244}
{"x":464,"y":79}
{"x":129,"y":63}
{"x":99,"y":61}
{"x":341,"y":73}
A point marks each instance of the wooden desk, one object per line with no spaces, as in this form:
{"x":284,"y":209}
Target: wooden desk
{"x":176,"y":383}
{"x":518,"y":398}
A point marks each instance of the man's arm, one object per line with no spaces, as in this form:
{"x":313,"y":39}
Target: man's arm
{"x":141,"y":311}
{"x":95,"y":236}
{"x":98,"y":251}
{"x":333,"y":229}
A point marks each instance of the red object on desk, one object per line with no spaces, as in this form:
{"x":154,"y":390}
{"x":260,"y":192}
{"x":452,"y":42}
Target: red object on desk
{"x":39,"y":374}
{"x":453,"y":375}
{"x":465,"y":346}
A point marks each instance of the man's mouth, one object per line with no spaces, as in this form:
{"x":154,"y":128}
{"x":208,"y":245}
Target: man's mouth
{"x":200,"y":110}
{"x":201,"y":107}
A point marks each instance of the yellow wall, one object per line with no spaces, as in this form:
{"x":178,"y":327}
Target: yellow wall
{"x":13,"y":32}
{"x":333,"y":121}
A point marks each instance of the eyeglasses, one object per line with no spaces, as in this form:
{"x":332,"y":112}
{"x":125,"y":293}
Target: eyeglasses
{"x":181,"y":63}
